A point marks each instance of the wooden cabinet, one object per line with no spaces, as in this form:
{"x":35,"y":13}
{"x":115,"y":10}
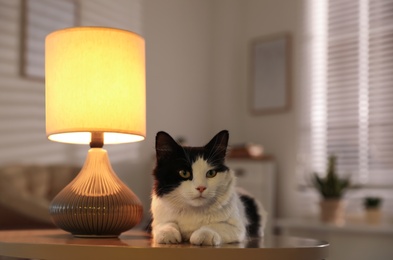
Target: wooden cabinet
{"x":257,"y":176}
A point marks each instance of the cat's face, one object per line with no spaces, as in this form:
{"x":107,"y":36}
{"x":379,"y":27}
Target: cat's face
{"x":194,"y":176}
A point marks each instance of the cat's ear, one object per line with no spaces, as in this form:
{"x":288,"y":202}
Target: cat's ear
{"x":219,"y":143}
{"x":165,"y":145}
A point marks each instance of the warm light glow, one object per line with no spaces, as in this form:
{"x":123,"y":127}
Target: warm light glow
{"x":95,"y":82}
{"x":81,"y":137}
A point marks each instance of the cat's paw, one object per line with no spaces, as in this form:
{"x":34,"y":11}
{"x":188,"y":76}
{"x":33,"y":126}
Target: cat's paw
{"x":167,"y":235}
{"x":205,"y":236}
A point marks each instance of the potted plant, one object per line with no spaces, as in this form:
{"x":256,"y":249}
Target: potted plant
{"x":372,"y":206}
{"x":332,"y":188}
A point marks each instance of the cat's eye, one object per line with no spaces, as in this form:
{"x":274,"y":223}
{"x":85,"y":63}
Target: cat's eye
{"x":211,"y":173}
{"x":184,"y":174}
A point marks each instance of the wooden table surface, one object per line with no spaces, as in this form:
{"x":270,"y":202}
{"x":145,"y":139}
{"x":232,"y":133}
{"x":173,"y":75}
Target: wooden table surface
{"x":57,"y":244}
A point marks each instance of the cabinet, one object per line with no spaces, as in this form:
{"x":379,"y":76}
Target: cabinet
{"x":257,"y":176}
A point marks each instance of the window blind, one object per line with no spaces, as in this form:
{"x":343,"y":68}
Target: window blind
{"x":352,"y":90}
{"x":381,"y":91}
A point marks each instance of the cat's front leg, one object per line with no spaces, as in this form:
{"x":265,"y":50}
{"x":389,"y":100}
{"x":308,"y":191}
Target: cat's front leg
{"x":167,"y":233}
{"x":205,"y":236}
{"x":217,"y":234}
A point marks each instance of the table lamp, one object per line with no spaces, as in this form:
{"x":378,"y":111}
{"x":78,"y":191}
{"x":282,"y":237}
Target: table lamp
{"x":95,"y":94}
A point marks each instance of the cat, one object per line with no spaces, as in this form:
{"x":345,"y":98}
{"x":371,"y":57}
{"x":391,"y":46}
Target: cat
{"x":194,"y":198}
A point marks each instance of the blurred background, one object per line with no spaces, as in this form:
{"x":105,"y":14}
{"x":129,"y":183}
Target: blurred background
{"x":199,"y":81}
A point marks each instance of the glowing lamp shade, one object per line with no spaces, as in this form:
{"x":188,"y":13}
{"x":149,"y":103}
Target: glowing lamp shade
{"x":95,"y":82}
{"x":95,"y":94}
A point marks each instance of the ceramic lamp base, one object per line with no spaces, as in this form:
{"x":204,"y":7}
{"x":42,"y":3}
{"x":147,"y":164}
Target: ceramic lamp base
{"x":96,"y":203}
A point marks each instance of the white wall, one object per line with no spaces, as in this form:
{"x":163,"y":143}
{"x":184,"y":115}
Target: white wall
{"x":237,"y":22}
{"x":227,"y":60}
{"x":178,"y":46}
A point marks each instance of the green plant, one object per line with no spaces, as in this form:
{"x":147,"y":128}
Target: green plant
{"x":372,"y":202}
{"x":331,"y":186}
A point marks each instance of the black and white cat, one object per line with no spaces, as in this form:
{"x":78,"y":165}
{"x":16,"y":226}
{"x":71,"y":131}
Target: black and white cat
{"x":194,"y":197}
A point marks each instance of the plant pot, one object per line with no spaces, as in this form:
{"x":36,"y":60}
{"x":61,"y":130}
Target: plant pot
{"x":332,"y":211}
{"x":373,"y":216}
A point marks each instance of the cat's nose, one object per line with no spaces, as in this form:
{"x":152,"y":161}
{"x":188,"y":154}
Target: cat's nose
{"x":200,"y":188}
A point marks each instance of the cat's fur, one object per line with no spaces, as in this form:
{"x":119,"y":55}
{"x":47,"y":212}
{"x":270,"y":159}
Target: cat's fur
{"x":194,"y":197}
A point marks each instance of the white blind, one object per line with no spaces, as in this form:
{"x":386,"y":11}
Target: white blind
{"x":352,"y":89}
{"x":22,"y":110}
{"x":381,"y":91}
{"x":42,"y":17}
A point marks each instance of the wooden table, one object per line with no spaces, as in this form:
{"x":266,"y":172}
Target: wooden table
{"x":57,"y":244}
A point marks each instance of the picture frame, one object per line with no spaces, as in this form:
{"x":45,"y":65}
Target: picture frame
{"x":38,"y":19}
{"x":270,"y":75}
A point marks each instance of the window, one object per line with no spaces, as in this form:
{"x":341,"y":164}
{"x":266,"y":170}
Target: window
{"x":351,"y":88}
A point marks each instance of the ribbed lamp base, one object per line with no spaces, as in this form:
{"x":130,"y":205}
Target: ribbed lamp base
{"x":96,"y":203}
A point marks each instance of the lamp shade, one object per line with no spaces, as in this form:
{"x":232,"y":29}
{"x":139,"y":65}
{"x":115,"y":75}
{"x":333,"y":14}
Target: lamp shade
{"x":95,"y":83}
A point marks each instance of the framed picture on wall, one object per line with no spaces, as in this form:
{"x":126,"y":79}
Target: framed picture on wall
{"x":39,"y":18}
{"x":270,"y":74}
